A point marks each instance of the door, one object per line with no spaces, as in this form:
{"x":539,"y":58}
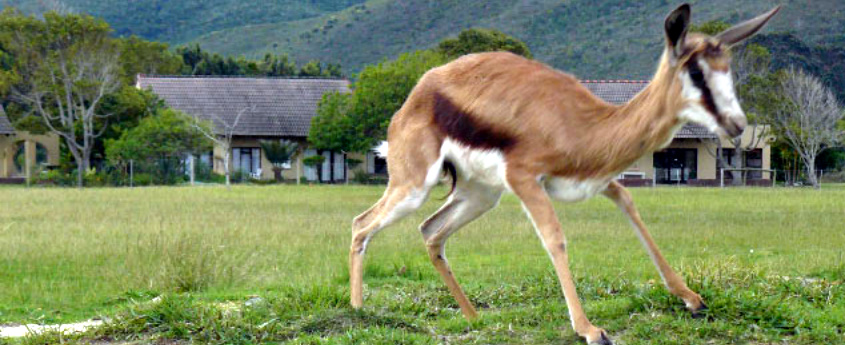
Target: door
{"x":676,"y":166}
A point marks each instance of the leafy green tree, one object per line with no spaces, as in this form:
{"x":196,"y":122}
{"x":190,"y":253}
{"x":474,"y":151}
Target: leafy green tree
{"x":66,"y":65}
{"x":128,"y":106}
{"x":356,"y":123}
{"x":279,"y":65}
{"x":199,"y":62}
{"x":332,"y":129}
{"x":138,"y":56}
{"x":167,"y":134}
{"x":279,"y":153}
{"x":482,"y":40}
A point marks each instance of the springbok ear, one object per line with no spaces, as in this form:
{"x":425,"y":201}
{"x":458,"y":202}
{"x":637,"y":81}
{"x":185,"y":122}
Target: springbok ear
{"x":746,"y":29}
{"x":677,"y":24}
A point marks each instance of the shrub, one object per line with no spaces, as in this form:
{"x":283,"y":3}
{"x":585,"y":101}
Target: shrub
{"x":360,"y":176}
{"x":55,"y":178}
{"x":143,"y":179}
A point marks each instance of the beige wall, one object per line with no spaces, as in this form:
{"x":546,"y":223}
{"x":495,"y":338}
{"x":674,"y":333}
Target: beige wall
{"x":9,"y":145}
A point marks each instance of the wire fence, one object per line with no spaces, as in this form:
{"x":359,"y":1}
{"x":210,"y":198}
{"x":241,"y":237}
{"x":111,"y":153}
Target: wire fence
{"x":162,"y":171}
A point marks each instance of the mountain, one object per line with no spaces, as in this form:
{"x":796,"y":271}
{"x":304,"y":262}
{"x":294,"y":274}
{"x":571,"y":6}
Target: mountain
{"x":182,"y":20}
{"x":590,"y":38}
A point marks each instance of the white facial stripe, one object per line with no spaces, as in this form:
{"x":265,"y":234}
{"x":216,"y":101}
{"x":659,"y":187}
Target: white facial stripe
{"x":724,"y":95}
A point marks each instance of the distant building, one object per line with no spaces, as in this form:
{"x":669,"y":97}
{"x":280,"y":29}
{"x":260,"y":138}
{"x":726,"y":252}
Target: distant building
{"x":274,"y":109}
{"x":690,"y":158}
{"x":19,"y":150}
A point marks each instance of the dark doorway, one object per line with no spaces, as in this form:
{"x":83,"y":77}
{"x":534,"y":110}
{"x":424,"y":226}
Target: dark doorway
{"x":676,"y":166}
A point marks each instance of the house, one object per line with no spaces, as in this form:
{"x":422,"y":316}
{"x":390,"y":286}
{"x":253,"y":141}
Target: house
{"x":691,"y":156}
{"x":23,"y":154}
{"x":273,"y":109}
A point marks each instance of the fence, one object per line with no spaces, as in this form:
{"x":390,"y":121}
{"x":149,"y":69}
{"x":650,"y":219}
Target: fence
{"x":132,"y":173}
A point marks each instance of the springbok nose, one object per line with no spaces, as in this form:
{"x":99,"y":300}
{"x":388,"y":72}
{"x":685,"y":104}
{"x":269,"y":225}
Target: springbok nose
{"x":736,"y":126}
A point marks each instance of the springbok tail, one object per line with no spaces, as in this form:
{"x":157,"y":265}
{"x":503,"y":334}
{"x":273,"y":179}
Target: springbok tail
{"x":449,"y":168}
{"x":381,"y":149}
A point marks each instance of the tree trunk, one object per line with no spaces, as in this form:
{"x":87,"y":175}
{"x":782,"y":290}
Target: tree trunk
{"x":226,"y":170}
{"x":277,"y":173}
{"x":811,"y":172}
{"x":80,"y":173}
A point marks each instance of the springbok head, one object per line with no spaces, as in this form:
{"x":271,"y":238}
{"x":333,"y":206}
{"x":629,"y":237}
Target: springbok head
{"x":703,"y":65}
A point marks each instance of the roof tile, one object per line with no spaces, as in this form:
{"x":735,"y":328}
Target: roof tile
{"x":5,"y":125}
{"x":274,"y":106}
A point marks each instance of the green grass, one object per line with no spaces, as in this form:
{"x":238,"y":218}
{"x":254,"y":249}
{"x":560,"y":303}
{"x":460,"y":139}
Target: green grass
{"x":69,"y":255}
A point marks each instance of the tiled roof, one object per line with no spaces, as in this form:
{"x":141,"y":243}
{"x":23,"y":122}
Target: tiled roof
{"x":274,"y":106}
{"x":5,"y":125}
{"x":621,"y":91}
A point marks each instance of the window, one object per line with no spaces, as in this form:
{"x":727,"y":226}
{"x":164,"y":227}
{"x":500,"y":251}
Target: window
{"x":246,"y":159}
{"x":208,"y":159}
{"x":20,"y":156}
{"x":754,"y":159}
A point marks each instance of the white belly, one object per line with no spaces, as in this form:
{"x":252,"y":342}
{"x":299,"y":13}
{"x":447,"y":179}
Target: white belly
{"x":571,"y":190}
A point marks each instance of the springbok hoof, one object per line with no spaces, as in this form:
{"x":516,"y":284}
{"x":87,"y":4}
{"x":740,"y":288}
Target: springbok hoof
{"x":699,"y":313}
{"x":603,"y":339}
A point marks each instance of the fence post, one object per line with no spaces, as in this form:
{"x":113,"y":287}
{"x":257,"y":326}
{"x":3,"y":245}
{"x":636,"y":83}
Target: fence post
{"x":821,"y":176}
{"x":131,"y":173}
{"x":298,"y":170}
{"x":191,"y":167}
{"x":774,"y":176}
{"x":722,"y":178}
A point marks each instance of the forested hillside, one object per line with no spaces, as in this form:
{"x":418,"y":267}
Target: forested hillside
{"x":182,"y":20}
{"x":591,"y":38}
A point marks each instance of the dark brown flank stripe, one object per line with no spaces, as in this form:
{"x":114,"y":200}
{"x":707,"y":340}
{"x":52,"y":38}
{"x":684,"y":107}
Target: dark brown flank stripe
{"x":460,"y":126}
{"x":706,"y":94}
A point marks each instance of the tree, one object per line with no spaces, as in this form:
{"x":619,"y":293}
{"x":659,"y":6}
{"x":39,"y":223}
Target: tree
{"x":67,"y":65}
{"x":199,"y":62}
{"x":138,"y":56}
{"x":355,"y":123}
{"x":809,"y":118}
{"x":159,"y":140}
{"x":331,"y":129}
{"x":221,"y":131}
{"x":279,"y":154}
{"x":482,"y":40}
{"x":168,"y":133}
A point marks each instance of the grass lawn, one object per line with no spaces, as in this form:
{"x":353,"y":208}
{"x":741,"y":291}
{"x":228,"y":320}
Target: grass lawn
{"x":269,"y":264}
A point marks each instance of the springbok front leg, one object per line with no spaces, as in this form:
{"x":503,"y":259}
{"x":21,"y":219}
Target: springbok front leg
{"x":468,"y":202}
{"x":673,"y":282}
{"x":539,"y":207}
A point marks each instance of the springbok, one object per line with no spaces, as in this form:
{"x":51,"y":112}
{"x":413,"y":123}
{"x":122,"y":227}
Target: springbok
{"x":497,"y":121}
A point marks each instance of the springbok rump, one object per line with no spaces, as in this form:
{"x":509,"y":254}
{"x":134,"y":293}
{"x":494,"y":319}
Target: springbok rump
{"x":497,"y":121}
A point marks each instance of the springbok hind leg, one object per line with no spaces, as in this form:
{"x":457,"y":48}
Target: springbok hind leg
{"x":673,"y":282}
{"x":464,"y":206}
{"x":397,"y":202}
